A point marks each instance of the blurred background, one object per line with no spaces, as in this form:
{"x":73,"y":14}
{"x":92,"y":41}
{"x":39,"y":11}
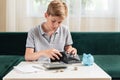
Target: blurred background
{"x":84,"y":15}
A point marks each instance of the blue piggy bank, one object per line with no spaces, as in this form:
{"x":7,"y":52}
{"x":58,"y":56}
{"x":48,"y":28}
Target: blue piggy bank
{"x":87,"y":59}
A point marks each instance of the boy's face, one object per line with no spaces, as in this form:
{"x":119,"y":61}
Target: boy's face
{"x":53,"y":22}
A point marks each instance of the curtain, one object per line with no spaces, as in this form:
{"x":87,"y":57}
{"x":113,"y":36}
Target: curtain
{"x":96,"y":16}
{"x":84,"y":15}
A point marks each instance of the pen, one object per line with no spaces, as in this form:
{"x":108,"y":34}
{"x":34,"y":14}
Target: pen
{"x":37,"y":67}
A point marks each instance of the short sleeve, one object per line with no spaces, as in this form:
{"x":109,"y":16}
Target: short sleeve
{"x":30,"y":39}
{"x":69,"y":40}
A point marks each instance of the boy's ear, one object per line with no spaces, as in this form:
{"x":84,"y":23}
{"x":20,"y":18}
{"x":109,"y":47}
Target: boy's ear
{"x":46,"y":15}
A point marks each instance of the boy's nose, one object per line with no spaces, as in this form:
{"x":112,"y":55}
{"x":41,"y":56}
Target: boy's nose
{"x":56,"y":24}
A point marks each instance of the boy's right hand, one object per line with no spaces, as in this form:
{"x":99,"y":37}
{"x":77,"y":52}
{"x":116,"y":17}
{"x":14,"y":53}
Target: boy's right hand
{"x":52,"y":53}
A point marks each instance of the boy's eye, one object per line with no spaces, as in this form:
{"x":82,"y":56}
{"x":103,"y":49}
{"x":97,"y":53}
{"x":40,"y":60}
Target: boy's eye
{"x":59,"y":22}
{"x":54,"y":21}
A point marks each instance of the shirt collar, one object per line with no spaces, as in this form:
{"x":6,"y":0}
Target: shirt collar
{"x":42,"y":32}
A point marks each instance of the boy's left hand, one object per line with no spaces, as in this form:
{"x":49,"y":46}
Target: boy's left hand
{"x":71,"y":50}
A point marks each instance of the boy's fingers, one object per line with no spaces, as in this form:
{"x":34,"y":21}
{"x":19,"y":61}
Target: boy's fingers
{"x":57,"y":52}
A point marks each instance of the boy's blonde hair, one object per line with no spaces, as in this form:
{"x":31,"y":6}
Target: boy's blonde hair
{"x":57,"y":8}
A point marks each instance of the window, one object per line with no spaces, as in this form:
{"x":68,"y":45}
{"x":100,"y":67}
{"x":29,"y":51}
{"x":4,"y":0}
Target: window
{"x":94,"y":8}
{"x":37,"y":8}
{"x":84,"y":15}
{"x":97,"y":8}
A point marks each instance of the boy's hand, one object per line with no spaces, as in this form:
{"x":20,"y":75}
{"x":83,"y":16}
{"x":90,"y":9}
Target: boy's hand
{"x":71,"y":50}
{"x":52,"y":53}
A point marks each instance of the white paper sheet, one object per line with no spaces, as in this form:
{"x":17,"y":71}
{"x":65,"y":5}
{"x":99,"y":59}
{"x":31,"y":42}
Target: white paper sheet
{"x":29,"y":68}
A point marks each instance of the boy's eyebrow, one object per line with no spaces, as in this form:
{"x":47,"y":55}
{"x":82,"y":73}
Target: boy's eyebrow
{"x":53,"y":20}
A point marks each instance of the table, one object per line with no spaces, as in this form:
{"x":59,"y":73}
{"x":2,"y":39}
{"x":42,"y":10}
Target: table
{"x":82,"y":72}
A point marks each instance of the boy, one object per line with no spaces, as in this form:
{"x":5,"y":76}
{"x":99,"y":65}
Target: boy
{"x":50,"y":38}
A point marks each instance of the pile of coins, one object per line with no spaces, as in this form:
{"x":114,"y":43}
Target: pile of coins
{"x":60,"y":70}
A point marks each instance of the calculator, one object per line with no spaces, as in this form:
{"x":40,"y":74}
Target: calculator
{"x":55,"y":65}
